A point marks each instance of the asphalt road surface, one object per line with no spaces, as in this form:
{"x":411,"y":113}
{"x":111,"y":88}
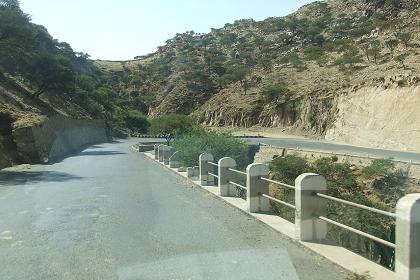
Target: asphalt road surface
{"x":111,"y":213}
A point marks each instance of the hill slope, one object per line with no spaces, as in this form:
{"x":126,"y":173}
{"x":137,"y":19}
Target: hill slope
{"x":298,"y":71}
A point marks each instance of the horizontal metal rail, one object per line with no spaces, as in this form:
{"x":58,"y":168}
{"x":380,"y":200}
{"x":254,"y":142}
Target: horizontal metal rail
{"x":372,"y":237}
{"x":278,"y":201}
{"x":212,"y":163}
{"x":278,"y":183}
{"x":237,"y":171}
{"x":214,"y":175}
{"x":382,"y":212}
{"x":238,"y":185}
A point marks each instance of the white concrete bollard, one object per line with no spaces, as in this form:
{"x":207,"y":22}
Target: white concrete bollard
{"x":174,"y":160}
{"x":196,"y":171}
{"x":255,"y":187}
{"x":167,"y":153}
{"x":161,"y":149}
{"x":225,"y":175}
{"x":190,"y":172}
{"x":407,"y":252}
{"x":205,"y":168}
{"x":309,"y":207}
{"x":155,"y":147}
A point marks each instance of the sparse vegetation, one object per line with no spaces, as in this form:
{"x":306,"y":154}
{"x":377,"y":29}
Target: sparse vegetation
{"x":404,"y":37}
{"x":378,"y":185}
{"x":170,"y":126}
{"x":273,"y":92}
{"x":191,"y":145}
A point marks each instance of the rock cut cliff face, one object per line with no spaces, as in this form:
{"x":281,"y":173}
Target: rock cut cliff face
{"x":378,"y":117}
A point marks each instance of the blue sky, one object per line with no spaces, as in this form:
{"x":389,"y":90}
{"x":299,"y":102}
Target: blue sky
{"x":120,"y":30}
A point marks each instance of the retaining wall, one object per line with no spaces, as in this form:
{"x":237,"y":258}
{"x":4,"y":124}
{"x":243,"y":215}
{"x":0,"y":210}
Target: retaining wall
{"x":57,"y":137}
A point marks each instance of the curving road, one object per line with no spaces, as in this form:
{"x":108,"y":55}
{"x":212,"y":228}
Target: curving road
{"x":111,"y":213}
{"x":335,"y":147}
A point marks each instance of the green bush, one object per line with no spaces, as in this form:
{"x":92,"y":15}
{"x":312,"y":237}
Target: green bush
{"x":133,"y":120}
{"x":378,"y":185}
{"x":287,"y":168}
{"x":171,"y":125}
{"x":294,"y":59}
{"x":192,"y":144}
{"x":314,"y":53}
{"x":273,"y":92}
{"x":378,"y":167}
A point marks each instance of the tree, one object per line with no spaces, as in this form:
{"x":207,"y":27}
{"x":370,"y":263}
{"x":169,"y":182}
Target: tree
{"x":294,"y":59}
{"x":365,"y":48}
{"x":10,"y":3}
{"x":235,"y":72}
{"x":349,"y":58}
{"x":273,"y":92}
{"x":404,"y":37}
{"x":401,"y":59}
{"x":375,"y":50}
{"x":133,"y":120}
{"x":16,"y":37}
{"x":170,"y":126}
{"x":314,"y":53}
{"x":51,"y":72}
{"x":391,"y":45}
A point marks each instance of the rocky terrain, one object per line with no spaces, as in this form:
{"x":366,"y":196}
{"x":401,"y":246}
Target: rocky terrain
{"x":332,"y":68}
{"x":344,"y":70}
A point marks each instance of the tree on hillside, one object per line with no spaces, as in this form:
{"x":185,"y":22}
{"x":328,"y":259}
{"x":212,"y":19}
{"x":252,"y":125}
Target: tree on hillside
{"x":133,"y":120}
{"x":170,"y":126}
{"x":235,"y":72}
{"x":375,"y":50}
{"x":16,"y":37}
{"x":391,"y":45}
{"x":348,"y":59}
{"x":52,"y":72}
{"x":10,"y":3}
{"x":273,"y":92}
{"x":404,"y":37}
{"x":401,"y":59}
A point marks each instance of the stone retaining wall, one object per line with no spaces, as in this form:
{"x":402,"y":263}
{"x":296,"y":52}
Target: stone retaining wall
{"x":56,"y":137}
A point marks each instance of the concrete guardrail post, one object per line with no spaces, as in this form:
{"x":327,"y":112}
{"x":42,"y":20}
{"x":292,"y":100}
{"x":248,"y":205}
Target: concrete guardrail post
{"x":205,"y":168}
{"x":155,"y":148}
{"x":174,"y":160}
{"x":309,"y":207}
{"x":161,"y":149}
{"x":407,"y":252}
{"x":168,"y":152}
{"x":225,"y":175}
{"x":190,"y":172}
{"x":255,"y":187}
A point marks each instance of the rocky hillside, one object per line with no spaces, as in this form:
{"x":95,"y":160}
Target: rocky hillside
{"x":297,"y":71}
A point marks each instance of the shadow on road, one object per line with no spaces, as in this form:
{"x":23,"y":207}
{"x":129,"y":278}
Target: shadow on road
{"x":13,"y":178}
{"x":99,"y":153}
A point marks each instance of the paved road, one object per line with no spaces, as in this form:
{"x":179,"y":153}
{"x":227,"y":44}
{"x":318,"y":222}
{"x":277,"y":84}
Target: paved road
{"x":334,"y":147}
{"x":328,"y":146}
{"x":111,"y":213}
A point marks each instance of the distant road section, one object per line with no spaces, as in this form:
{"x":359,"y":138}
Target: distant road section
{"x":333,"y":147}
{"x":322,"y":145}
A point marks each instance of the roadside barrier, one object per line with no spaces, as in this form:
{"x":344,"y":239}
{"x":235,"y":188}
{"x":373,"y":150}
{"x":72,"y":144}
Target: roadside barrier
{"x":311,"y":206}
